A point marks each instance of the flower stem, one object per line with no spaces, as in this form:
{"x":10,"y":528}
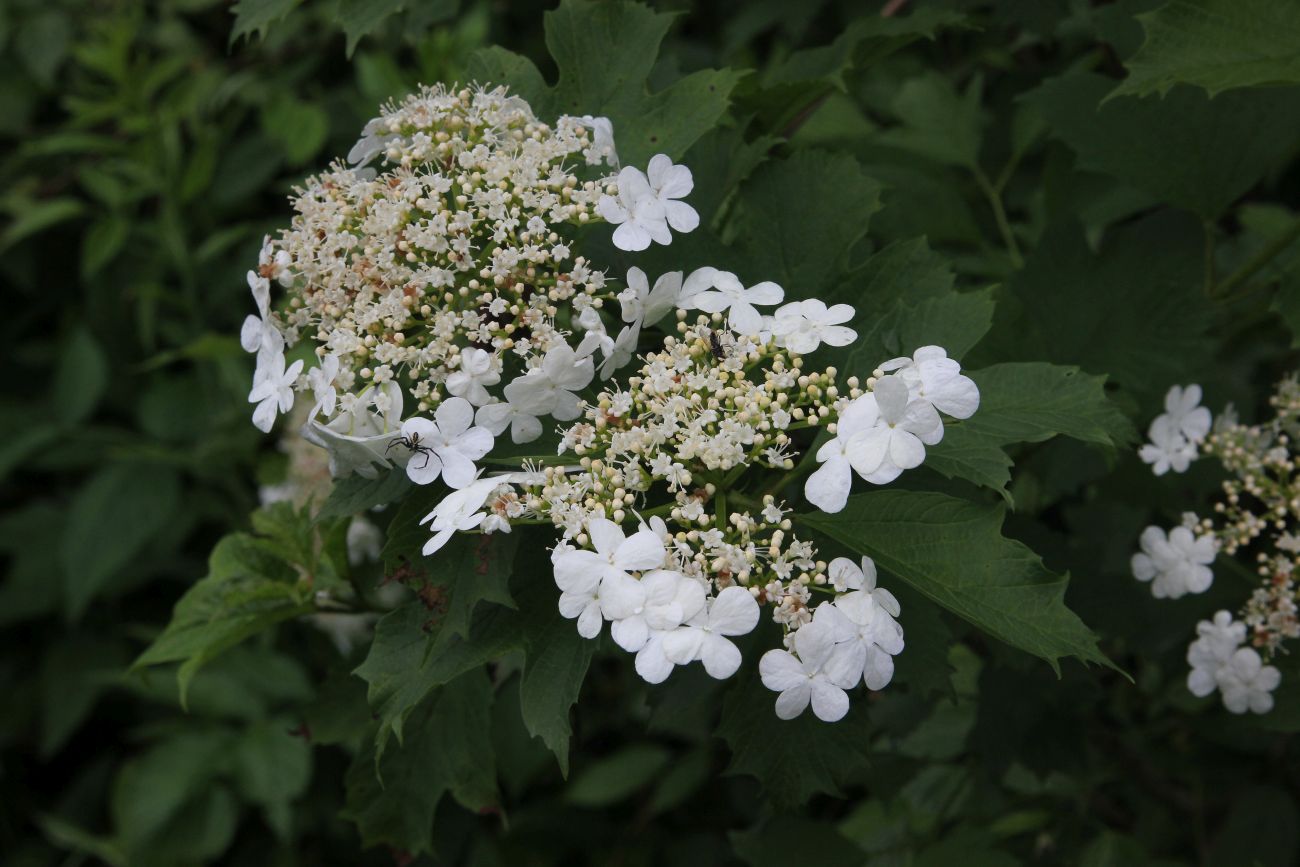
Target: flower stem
{"x":994,"y":196}
{"x":1266,"y":254}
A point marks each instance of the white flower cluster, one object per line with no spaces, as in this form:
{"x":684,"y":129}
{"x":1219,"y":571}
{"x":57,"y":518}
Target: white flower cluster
{"x":1219,"y":661}
{"x":663,"y":535}
{"x":855,"y":637}
{"x":445,"y":275}
{"x":434,"y":277}
{"x":885,"y":431}
{"x":1262,"y":494}
{"x":1175,"y":434}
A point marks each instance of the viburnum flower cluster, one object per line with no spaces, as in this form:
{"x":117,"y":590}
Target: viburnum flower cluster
{"x":433,"y":281}
{"x":665,"y":495}
{"x":445,"y":275}
{"x":1258,"y":510}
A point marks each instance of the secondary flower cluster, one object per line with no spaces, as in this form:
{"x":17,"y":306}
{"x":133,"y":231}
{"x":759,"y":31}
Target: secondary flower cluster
{"x":665,"y":497}
{"x":1258,"y":509}
{"x":445,"y":273}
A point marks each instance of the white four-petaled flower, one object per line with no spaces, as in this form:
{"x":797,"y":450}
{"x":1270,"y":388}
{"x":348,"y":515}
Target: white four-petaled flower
{"x":321,"y":379}
{"x":813,"y":673}
{"x":704,"y":637}
{"x":670,"y":599}
{"x":476,"y":372}
{"x":597,"y":585}
{"x":727,"y":293}
{"x":259,"y":332}
{"x":937,"y":379}
{"x":645,"y":305}
{"x":272,"y":388}
{"x":447,"y":446}
{"x":878,"y":435}
{"x":1246,"y":683}
{"x":1219,"y":662}
{"x":802,"y":326}
{"x":647,"y":204}
{"x":1175,"y":434}
{"x":1168,"y":449}
{"x":1175,"y":564}
{"x":547,"y":390}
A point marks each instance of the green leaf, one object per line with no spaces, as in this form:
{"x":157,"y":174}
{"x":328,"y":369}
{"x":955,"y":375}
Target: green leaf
{"x":42,"y":42}
{"x":26,"y":535}
{"x":936,"y":121}
{"x":1133,"y":311}
{"x":354,"y":494}
{"x":1109,"y":848}
{"x":785,"y":839}
{"x":617,"y":776}
{"x":359,"y":18}
{"x":1217,"y":45}
{"x":1026,"y":403}
{"x":791,"y":759}
{"x":392,"y":795}
{"x":256,"y":16}
{"x":68,"y":836}
{"x":248,"y":588}
{"x":1260,"y":829}
{"x":110,"y":520}
{"x":25,"y":443}
{"x":953,"y":551}
{"x":36,"y":217}
{"x":905,"y":299}
{"x":799,"y":218}
{"x":75,"y":672}
{"x":794,"y":86}
{"x":80,"y":378}
{"x":468,"y":570}
{"x":410,"y":657}
{"x":272,"y":767}
{"x":153,"y":789}
{"x":605,"y":52}
{"x":299,"y":127}
{"x":102,"y":242}
{"x":1189,"y":150}
{"x":555,"y":665}
{"x":413,"y":654}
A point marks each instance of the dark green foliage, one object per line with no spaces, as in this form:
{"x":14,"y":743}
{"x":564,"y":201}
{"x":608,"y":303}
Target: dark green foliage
{"x":1084,"y":203}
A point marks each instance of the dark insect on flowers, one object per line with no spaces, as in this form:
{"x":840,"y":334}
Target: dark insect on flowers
{"x":716,"y":347}
{"x":413,"y":444}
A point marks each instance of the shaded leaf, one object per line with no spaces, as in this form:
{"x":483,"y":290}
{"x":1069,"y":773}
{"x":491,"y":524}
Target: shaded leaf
{"x":1189,"y":150}
{"x":1026,"y":403}
{"x":256,"y":16}
{"x":248,"y":588}
{"x":783,"y":231}
{"x":1217,"y":45}
{"x":354,"y":494}
{"x":606,"y":75}
{"x":1134,"y":311}
{"x":111,"y":519}
{"x":905,"y":299}
{"x":555,"y":666}
{"x":392,"y":795}
{"x":617,"y":776}
{"x":791,"y":759}
{"x":80,"y":378}
{"x":953,"y":551}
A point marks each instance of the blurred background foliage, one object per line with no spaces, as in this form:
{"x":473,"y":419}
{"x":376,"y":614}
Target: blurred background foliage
{"x":148,"y":147}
